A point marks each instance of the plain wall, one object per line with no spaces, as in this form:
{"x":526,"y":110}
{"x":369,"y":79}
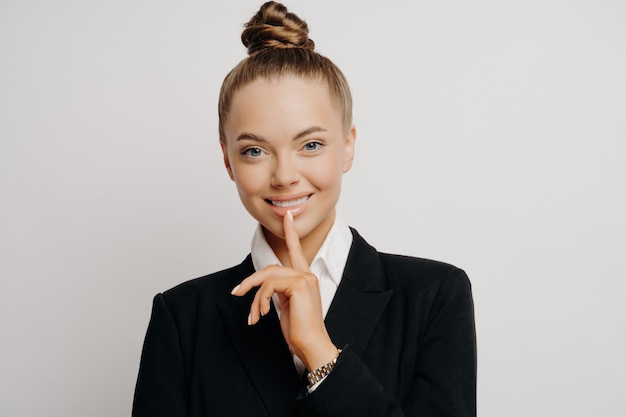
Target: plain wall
{"x":491,"y":135}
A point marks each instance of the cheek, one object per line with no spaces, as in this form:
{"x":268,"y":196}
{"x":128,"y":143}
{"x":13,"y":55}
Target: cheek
{"x":249,"y":180}
{"x":328,"y":175}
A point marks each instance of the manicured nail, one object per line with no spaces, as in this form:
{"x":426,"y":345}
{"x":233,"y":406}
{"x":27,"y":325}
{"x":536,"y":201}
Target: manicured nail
{"x":249,"y":320}
{"x":234,"y":290}
{"x":290,"y":215}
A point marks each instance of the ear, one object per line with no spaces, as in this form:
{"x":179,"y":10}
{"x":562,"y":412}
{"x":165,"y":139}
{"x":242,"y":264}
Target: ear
{"x":227,"y":160}
{"x":349,"y":149}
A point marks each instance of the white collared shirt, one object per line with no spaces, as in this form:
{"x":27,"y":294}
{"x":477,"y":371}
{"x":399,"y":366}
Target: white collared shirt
{"x":328,"y":264}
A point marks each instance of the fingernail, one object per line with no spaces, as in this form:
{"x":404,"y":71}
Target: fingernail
{"x":290,"y":215}
{"x":249,"y":320}
{"x":234,"y":290}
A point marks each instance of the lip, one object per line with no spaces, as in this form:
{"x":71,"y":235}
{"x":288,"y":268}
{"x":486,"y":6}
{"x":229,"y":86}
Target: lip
{"x":283,"y":204}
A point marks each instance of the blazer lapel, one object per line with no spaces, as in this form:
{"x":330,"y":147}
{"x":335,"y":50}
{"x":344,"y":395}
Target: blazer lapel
{"x":355,"y":312}
{"x":263,"y":351}
{"x":361,"y":298}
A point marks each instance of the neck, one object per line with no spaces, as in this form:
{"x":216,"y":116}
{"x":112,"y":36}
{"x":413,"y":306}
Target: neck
{"x":311,"y":243}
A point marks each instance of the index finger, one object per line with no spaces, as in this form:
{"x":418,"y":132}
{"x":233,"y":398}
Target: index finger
{"x":296,"y":255}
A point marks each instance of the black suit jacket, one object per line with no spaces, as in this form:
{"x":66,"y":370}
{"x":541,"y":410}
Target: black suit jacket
{"x":406,"y":326}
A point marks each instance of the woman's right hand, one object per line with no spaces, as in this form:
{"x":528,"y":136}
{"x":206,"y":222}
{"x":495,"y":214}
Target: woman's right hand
{"x":301,"y":317}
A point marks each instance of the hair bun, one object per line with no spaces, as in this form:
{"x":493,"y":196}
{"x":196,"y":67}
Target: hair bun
{"x":274,"y":27}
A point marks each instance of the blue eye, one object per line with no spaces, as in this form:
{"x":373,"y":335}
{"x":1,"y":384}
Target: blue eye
{"x":312,"y":146}
{"x":252,"y":152}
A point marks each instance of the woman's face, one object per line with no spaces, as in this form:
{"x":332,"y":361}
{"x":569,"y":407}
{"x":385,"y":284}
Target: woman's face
{"x":286,"y":149}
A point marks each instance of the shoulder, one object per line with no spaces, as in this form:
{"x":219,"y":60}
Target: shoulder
{"x":429,"y":285}
{"x":208,"y":288}
{"x":428,"y":290}
{"x":402,"y":270}
{"x":402,"y":267}
{"x":435,"y":278}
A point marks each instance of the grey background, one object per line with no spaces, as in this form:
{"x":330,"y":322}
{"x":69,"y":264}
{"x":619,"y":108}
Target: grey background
{"x":491,"y":135}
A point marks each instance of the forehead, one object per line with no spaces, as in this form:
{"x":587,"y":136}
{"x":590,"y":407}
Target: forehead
{"x":282,"y":105}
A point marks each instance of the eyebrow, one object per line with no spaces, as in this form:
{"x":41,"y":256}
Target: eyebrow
{"x":306,"y":132}
{"x":301,"y":134}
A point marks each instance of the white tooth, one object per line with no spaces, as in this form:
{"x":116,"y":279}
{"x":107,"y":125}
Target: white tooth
{"x":290,"y":203}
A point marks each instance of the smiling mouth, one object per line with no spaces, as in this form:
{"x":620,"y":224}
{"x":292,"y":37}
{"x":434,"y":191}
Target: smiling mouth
{"x":289,"y":203}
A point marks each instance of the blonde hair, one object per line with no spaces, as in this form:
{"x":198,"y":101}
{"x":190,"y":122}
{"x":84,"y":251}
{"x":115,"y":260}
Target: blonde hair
{"x":278,"y":44}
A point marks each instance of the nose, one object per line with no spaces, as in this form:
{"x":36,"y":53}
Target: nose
{"x":285,"y":172}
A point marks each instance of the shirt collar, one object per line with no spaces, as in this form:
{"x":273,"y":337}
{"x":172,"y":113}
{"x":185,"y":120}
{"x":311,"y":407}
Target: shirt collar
{"x":333,"y":254}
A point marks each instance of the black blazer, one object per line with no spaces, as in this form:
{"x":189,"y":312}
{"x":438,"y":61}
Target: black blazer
{"x":406,"y":326}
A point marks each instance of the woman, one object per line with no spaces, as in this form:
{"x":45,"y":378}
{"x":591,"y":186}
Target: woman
{"x":315,"y":322}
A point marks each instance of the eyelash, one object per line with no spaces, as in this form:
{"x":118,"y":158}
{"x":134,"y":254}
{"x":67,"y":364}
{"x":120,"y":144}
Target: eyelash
{"x":317,"y":144}
{"x":247,"y":152}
